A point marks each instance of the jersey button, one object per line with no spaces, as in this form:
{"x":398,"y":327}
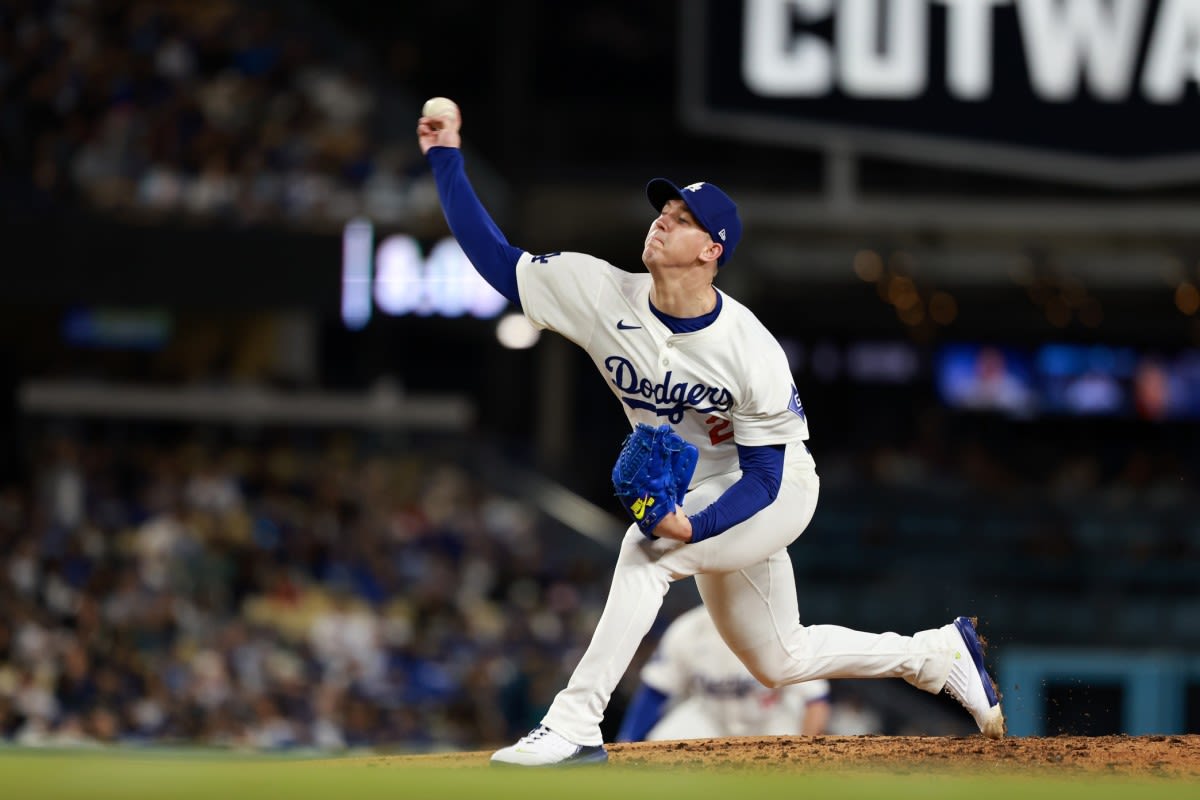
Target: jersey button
{"x":666,"y":362}
{"x":670,"y":344}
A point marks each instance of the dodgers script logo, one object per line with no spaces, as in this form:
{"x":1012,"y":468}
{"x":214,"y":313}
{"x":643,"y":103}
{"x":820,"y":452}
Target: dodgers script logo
{"x":665,"y":399}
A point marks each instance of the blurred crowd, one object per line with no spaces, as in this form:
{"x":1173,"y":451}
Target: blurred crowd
{"x":277,"y":596}
{"x":330,"y":595}
{"x":223,"y":110}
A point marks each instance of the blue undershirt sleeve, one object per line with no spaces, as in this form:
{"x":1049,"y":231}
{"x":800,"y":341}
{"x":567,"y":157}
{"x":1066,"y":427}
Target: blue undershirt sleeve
{"x":644,"y":712}
{"x":485,"y":245}
{"x":762,"y":473}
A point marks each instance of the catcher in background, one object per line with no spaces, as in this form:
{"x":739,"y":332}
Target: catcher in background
{"x":694,"y":687}
{"x":676,"y":350}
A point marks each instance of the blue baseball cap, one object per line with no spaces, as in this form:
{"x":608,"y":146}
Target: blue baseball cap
{"x":711,"y":207}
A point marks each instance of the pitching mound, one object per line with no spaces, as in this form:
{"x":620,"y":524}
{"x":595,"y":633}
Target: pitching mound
{"x":1137,"y":756}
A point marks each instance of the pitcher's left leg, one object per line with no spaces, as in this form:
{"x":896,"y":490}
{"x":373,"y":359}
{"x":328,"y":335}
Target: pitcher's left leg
{"x":756,"y":612}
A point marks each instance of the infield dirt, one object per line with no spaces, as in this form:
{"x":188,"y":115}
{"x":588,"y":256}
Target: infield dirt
{"x":1132,"y":756}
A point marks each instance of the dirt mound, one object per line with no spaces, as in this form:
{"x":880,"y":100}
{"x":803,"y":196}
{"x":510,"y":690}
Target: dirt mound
{"x":1167,"y":756}
{"x":1131,"y":756}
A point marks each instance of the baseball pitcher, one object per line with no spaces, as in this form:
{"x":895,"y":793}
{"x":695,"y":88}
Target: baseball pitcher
{"x":677,"y":351}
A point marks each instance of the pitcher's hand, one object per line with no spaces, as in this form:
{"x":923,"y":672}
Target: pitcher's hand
{"x":675,"y":526}
{"x":441,"y":131}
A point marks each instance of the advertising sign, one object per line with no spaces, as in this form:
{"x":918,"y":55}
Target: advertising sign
{"x":1099,"y":91}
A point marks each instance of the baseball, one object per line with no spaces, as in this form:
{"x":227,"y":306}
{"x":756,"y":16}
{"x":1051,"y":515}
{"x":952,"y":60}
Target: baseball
{"x":439,"y":107}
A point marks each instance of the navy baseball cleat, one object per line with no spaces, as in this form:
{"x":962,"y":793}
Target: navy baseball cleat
{"x":543,"y":747}
{"x":969,"y":682}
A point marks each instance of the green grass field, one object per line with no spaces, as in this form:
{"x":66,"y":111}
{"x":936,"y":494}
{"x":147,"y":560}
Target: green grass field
{"x":152,"y":776}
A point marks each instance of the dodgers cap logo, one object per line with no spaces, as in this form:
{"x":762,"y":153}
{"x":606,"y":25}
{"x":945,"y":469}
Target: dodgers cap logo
{"x":711,"y":207}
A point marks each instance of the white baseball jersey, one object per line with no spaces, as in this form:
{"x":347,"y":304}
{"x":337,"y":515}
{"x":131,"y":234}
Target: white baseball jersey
{"x":711,"y":692}
{"x":727,"y":383}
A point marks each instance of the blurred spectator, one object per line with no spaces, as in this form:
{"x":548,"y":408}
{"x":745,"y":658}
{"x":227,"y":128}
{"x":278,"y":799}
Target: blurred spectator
{"x":346,"y":642}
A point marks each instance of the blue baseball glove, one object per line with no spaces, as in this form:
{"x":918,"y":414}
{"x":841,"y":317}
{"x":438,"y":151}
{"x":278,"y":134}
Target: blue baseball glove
{"x":652,"y":474}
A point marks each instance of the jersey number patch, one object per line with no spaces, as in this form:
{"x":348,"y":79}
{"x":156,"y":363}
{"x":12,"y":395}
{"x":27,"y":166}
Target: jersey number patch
{"x":719,"y":432}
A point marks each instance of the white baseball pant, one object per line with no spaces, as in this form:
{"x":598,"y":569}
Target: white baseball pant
{"x":745,"y":578}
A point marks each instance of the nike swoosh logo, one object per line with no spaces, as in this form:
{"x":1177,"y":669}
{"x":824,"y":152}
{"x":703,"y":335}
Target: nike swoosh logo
{"x":621,"y":326}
